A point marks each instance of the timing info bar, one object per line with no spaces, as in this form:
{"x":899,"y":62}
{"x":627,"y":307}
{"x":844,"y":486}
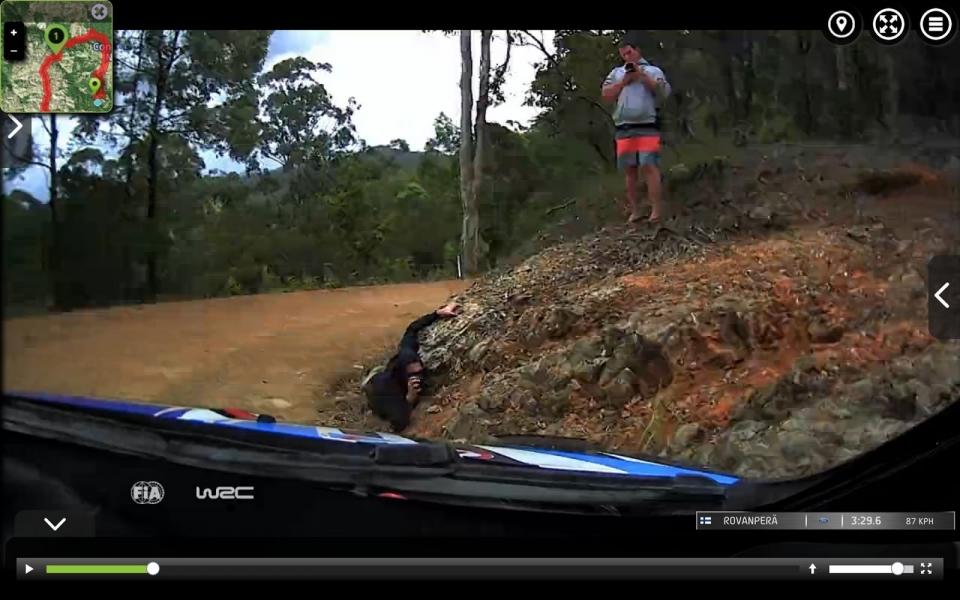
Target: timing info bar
{"x":919,"y":569}
{"x":848,"y":521}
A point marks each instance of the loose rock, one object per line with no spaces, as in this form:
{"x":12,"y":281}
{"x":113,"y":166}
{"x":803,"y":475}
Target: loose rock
{"x":824,"y":333}
{"x":685,"y":435}
{"x":621,"y":389}
{"x":467,"y":423}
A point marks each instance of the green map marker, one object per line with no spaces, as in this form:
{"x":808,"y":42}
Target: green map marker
{"x":94,"y":84}
{"x":55,"y":36}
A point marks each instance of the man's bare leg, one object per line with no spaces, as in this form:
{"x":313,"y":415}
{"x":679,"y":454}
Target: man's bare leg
{"x":632,"y":194}
{"x":651,"y":174}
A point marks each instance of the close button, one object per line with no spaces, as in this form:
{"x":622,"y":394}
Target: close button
{"x":943,"y":302}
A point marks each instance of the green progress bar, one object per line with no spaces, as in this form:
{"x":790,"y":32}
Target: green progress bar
{"x":96,"y":569}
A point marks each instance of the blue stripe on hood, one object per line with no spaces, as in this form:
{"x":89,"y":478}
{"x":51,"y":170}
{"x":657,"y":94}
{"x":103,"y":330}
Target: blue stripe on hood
{"x":638,"y":466}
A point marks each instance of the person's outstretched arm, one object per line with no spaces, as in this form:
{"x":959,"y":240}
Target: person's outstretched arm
{"x":410,"y":340}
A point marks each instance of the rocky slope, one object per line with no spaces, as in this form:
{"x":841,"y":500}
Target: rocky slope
{"x":776,"y":325}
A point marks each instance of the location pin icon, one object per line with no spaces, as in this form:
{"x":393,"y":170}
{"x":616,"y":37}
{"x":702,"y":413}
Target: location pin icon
{"x":94,"y":84}
{"x":55,"y":36}
{"x":841,"y":22}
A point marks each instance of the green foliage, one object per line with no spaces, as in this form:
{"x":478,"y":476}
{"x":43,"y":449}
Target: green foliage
{"x":198,"y":80}
{"x":446,"y":136}
{"x":25,"y":230}
{"x":340,"y":213}
{"x":301,"y":124}
{"x":400,"y":145}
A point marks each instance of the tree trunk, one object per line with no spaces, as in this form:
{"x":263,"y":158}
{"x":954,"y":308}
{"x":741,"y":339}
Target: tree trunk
{"x":892,"y":93}
{"x":480,"y":149}
{"x":806,"y":115}
{"x":60,"y":300}
{"x":841,"y":58}
{"x":730,"y":84}
{"x":163,"y":71}
{"x":844,"y":105}
{"x":933,"y":100}
{"x":54,"y":134}
{"x":129,"y":214}
{"x":682,"y":101}
{"x":749,"y":73}
{"x":471,"y":216}
{"x":131,"y":123}
{"x":862,"y":99}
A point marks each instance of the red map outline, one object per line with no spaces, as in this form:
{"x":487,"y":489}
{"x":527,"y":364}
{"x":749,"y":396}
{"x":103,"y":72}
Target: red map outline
{"x":92,"y":35}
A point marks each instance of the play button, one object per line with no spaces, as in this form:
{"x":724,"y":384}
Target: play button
{"x":27,"y":569}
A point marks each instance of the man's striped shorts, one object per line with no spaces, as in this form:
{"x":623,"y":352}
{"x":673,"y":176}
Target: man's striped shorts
{"x":637,"y":145}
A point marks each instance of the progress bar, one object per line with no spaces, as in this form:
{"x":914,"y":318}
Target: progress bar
{"x":151,"y":568}
{"x":454,"y":568}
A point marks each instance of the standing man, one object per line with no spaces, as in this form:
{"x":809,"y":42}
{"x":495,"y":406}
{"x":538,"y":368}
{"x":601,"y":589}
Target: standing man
{"x":638,"y":87}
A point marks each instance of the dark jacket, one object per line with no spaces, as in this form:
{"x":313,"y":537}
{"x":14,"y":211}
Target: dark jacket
{"x":387,"y":391}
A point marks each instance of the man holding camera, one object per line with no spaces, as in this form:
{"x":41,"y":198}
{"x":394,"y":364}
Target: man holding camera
{"x":638,"y":88}
{"x":394,"y":392}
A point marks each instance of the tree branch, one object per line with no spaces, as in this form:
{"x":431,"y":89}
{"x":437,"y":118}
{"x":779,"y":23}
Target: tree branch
{"x":174,"y":49}
{"x":136,"y":69}
{"x":554,"y":209}
{"x":543,"y":48}
{"x":499,"y":74}
{"x":269,"y":156}
{"x":23,"y":160}
{"x":181,"y":51}
{"x":592,"y":102}
{"x":567,"y":79}
{"x":171,"y":117}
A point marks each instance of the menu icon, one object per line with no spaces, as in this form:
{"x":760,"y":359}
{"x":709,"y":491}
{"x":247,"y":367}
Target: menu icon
{"x":937,"y":26}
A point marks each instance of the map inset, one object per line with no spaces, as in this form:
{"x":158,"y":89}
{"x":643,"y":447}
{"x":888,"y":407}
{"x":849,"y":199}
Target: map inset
{"x":67,"y":66}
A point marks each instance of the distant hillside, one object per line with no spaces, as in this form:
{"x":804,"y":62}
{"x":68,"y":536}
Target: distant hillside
{"x":404,"y":159}
{"x":275,"y":183}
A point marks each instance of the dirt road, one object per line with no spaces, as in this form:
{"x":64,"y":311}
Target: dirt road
{"x":270,"y":353}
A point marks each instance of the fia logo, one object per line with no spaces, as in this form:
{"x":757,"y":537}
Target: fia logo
{"x":146,"y":492}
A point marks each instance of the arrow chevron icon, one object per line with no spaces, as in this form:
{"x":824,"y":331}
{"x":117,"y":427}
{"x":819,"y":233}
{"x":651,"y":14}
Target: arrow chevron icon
{"x":57,"y":526}
{"x":939,"y":297}
{"x":16,"y":129}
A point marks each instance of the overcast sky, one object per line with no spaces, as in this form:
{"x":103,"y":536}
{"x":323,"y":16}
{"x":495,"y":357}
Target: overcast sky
{"x":401,"y":79}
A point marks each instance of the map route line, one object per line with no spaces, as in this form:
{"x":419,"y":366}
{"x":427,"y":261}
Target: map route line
{"x":91,"y":35}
